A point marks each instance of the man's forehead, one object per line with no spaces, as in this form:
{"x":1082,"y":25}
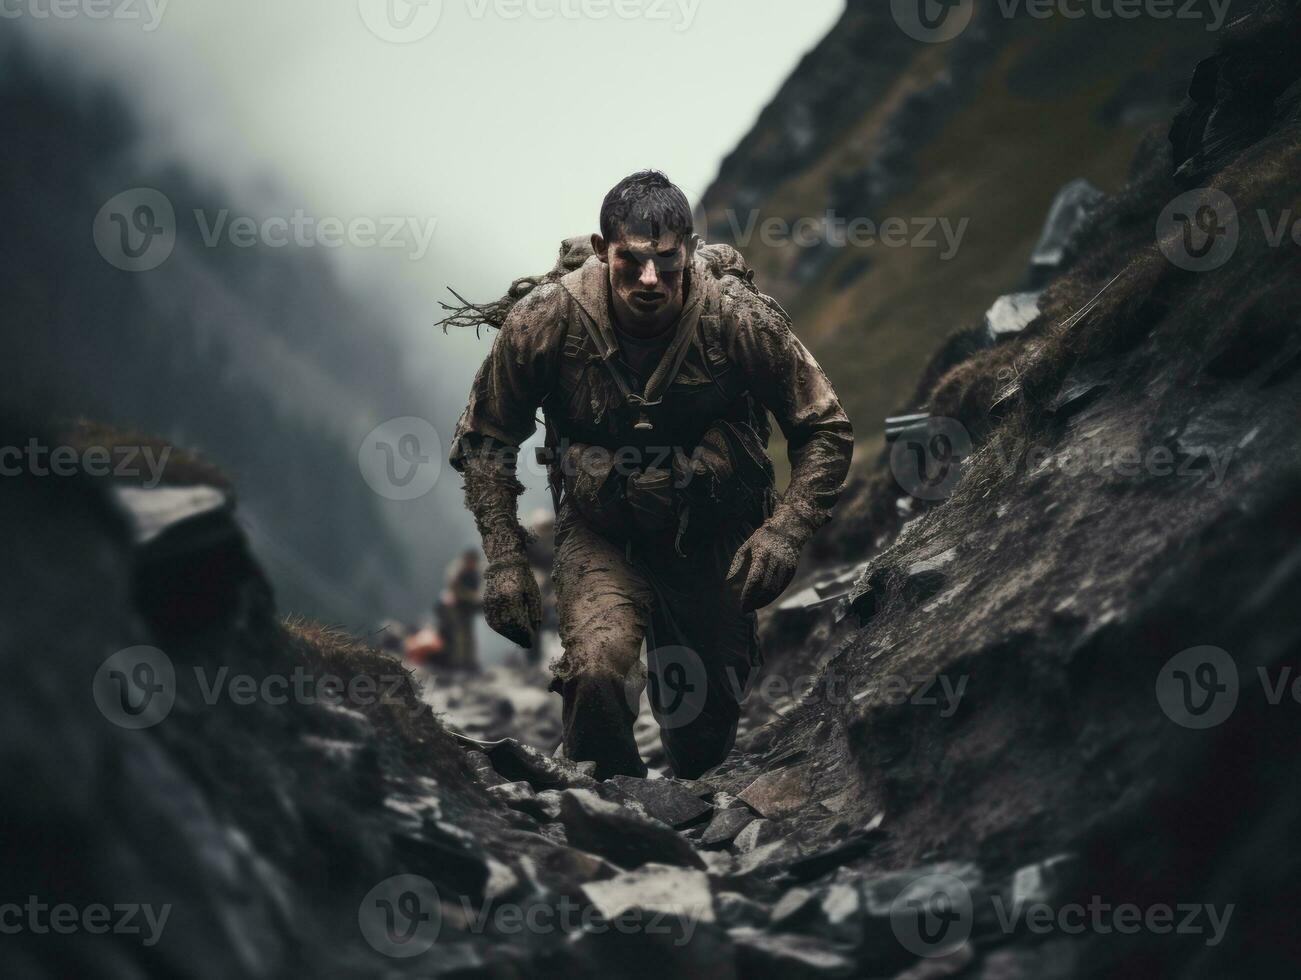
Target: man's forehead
{"x":639,"y":241}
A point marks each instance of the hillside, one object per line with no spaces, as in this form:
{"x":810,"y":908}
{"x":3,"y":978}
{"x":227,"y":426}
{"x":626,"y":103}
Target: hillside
{"x":983,"y":130}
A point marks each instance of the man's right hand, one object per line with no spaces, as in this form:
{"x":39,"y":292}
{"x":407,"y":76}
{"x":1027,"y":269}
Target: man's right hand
{"x":511,"y":602}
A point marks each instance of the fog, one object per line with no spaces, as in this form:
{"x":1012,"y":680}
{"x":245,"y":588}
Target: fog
{"x":486,"y":138}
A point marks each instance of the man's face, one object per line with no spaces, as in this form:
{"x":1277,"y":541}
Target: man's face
{"x":647,"y":276}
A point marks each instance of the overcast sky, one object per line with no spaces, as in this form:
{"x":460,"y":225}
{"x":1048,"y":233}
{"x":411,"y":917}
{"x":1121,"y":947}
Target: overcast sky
{"x":503,"y":121}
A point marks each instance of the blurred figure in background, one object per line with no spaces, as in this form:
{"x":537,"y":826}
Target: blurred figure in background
{"x":456,"y":610}
{"x":541,"y":550}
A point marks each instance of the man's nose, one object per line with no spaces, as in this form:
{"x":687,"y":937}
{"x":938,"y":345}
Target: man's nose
{"x":649,"y":275}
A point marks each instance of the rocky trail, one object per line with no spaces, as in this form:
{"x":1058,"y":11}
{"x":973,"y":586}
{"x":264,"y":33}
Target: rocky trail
{"x":1029,"y":712}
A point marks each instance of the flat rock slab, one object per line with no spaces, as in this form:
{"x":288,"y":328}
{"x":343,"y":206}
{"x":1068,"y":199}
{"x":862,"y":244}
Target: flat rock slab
{"x":624,"y":837}
{"x":776,"y":794}
{"x":675,"y":891}
{"x":755,"y":834}
{"x":664,"y":799}
{"x":724,"y":827}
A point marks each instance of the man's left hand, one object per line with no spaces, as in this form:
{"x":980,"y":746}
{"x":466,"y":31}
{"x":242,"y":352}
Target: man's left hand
{"x":768,"y":560}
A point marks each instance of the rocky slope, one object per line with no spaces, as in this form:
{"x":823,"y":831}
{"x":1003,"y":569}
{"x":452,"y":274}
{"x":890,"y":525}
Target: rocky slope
{"x":981,"y":132}
{"x":1039,"y":729}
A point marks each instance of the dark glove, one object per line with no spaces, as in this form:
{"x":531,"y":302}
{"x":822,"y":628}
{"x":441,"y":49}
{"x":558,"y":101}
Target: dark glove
{"x":512,"y":604}
{"x":769,"y":558}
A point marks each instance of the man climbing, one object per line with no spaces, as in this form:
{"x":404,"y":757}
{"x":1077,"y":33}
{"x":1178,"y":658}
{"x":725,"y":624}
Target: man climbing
{"x":655,"y":362}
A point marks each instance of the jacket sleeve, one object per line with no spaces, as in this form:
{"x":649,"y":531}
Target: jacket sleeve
{"x":787,"y":381}
{"x":514,"y":378}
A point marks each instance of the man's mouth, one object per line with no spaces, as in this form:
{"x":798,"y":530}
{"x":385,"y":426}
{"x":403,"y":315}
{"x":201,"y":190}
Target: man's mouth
{"x":648,"y":300}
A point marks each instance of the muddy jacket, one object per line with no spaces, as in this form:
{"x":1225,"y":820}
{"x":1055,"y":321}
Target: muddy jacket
{"x":734,"y":360}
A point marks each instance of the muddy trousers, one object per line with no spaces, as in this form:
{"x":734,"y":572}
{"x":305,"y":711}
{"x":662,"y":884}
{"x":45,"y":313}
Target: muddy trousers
{"x":701,"y":650}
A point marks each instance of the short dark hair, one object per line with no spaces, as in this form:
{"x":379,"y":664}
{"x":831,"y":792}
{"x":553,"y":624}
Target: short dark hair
{"x":646,"y":200}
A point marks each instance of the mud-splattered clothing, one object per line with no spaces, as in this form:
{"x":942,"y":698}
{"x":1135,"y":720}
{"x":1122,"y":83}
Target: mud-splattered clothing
{"x":732,"y":360}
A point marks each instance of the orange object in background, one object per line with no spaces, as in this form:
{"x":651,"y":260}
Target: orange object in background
{"x":422,"y":647}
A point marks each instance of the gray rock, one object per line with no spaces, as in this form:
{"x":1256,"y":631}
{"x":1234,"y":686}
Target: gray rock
{"x":790,"y":906}
{"x":768,"y":859}
{"x":832,"y":911}
{"x":668,"y":800}
{"x":937,"y":967}
{"x":654,"y":888}
{"x":1069,"y":211}
{"x":654,"y":922}
{"x":720,"y":864}
{"x":554,"y":832}
{"x":958,"y":887}
{"x":482,"y":768}
{"x":735,"y":909}
{"x":854,"y":846}
{"x":1081,"y":386}
{"x":516,"y":761}
{"x":790,"y":957}
{"x":778,"y":793}
{"x":616,"y":833}
{"x":1046,"y":882}
{"x":724,"y":826}
{"x":154,"y":512}
{"x":926,"y":578}
{"x":1011,"y":314}
{"x":754,"y":834}
{"x":548,"y":803}
{"x":513,"y":794}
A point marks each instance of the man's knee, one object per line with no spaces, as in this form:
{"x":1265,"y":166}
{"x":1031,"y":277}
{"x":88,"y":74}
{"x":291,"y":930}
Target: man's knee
{"x":601,"y":638}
